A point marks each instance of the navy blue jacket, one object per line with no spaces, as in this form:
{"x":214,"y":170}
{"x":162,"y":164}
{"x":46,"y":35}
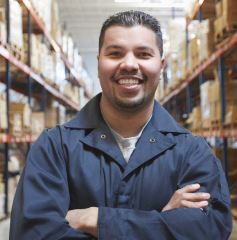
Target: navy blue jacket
{"x":79,"y":165}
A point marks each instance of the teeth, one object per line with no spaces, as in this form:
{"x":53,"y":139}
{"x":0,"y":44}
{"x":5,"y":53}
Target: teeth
{"x":128,"y":81}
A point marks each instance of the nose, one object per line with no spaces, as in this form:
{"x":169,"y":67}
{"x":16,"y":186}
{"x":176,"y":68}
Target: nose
{"x":129,"y":63}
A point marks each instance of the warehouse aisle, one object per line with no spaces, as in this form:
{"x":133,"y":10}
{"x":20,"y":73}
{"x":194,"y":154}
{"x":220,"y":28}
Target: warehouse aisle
{"x":51,"y":48}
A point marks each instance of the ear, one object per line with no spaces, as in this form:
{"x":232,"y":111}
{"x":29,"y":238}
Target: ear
{"x":98,"y":65}
{"x":163,"y":62}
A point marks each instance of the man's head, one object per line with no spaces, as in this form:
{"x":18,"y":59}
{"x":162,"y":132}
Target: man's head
{"x":130,"y":19}
{"x":129,"y":61}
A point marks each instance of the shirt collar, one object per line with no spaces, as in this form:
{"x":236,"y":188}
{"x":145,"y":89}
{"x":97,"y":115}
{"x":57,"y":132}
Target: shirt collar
{"x":90,"y":117}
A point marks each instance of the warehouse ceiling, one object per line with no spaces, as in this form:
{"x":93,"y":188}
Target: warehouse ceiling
{"x":83,"y":20}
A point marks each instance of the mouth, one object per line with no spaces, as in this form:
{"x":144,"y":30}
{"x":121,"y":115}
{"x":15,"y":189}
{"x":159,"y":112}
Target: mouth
{"x":129,"y":81}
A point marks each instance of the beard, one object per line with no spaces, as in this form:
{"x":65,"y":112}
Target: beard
{"x":127,"y":104}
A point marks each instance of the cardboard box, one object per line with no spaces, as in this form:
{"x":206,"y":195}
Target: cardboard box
{"x":206,"y":46}
{"x":20,"y":120}
{"x":51,"y":117}
{"x":35,"y":51}
{"x":38,"y":122}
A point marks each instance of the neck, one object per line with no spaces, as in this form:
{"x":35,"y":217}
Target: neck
{"x":126,"y":123}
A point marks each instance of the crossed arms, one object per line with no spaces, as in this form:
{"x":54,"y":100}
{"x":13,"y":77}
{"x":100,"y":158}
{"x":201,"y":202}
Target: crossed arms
{"x":86,"y":220}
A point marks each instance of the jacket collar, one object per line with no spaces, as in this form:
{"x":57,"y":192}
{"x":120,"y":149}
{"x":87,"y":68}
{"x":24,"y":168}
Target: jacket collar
{"x":90,"y":117}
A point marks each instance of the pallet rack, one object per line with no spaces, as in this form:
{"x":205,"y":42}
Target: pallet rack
{"x":32,"y":78}
{"x":222,"y":132}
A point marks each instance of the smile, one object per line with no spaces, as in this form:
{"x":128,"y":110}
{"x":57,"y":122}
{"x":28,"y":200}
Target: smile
{"x":128,"y":81}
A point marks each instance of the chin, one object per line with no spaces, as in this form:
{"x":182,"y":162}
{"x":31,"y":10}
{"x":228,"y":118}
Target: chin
{"x":129,"y":104}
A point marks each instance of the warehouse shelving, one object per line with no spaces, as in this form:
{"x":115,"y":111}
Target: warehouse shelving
{"x":30,"y":79}
{"x":190,"y":85}
{"x":226,"y":132}
{"x":27,"y":138}
{"x":231,"y":43}
{"x":26,"y":69}
{"x":55,"y":45}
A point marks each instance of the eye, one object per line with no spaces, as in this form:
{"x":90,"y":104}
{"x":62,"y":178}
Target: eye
{"x":144,"y":55}
{"x":114,"y":54}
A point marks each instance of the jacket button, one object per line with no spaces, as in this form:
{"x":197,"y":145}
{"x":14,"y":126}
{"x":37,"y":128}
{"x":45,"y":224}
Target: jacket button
{"x":102,"y":136}
{"x":152,"y":140}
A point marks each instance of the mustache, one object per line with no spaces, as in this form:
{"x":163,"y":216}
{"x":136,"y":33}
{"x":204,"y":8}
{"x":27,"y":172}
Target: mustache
{"x":129,"y":75}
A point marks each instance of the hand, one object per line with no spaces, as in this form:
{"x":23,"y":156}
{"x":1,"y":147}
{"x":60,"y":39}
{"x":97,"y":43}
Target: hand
{"x":84,"y":220}
{"x":188,"y":197}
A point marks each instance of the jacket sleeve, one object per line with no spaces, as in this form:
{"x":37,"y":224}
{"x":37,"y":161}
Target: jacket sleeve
{"x":215,"y":222}
{"x":42,"y":198}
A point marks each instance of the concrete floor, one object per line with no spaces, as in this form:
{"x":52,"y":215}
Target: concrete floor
{"x":4,"y":230}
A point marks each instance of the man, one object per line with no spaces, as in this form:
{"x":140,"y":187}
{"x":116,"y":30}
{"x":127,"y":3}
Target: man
{"x":123,"y":168}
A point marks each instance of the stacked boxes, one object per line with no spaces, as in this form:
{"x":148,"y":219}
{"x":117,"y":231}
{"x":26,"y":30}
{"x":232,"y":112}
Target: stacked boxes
{"x":193,"y":46}
{"x":43,"y":8}
{"x":226,"y":18}
{"x":211,"y":103}
{"x":16,"y":28}
{"x":19,"y":118}
{"x":55,"y":29}
{"x":176,"y":32}
{"x":35,"y":51}
{"x":38,"y":123}
{"x":206,"y":41}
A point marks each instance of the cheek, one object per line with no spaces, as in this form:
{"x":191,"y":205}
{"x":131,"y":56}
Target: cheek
{"x":152,"y":71}
{"x":106,"y":67}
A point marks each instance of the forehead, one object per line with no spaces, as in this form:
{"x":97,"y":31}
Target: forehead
{"x":130,"y":36}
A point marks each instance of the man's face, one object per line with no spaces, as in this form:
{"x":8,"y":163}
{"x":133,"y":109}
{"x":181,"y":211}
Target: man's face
{"x":129,"y":66}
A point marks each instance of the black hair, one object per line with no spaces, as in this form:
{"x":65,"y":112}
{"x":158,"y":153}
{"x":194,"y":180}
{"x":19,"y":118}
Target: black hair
{"x":130,"y":19}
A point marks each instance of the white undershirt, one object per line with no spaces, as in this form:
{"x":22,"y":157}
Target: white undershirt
{"x":127,"y":145}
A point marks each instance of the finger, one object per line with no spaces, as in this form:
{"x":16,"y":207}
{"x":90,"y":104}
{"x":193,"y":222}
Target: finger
{"x":189,"y":188}
{"x":196,"y":197}
{"x":189,"y":204}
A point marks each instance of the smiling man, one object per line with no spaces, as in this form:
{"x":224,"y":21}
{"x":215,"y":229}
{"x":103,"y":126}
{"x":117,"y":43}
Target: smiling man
{"x":123,"y":168}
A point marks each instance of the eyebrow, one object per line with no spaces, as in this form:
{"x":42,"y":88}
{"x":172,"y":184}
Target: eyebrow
{"x":141,"y":48}
{"x":113,"y":47}
{"x":146,"y":48}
